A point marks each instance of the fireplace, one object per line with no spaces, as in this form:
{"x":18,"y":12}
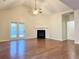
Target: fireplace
{"x":40,"y":34}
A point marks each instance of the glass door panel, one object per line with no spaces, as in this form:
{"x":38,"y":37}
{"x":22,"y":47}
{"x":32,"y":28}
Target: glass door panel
{"x":21,"y":30}
{"x":13,"y":29}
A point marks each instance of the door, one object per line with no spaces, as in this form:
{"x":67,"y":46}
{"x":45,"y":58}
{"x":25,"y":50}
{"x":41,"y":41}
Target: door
{"x":17,"y":30}
{"x":70,"y":29}
{"x":68,"y":26}
{"x":13,"y":30}
{"x":21,"y":30}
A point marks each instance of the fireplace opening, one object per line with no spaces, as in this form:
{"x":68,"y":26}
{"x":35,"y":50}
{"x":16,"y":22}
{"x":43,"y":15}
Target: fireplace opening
{"x":40,"y":34}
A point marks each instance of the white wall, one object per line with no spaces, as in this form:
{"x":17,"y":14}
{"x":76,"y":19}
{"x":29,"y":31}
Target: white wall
{"x":52,"y":23}
{"x":55,"y":27}
{"x":76,"y":36}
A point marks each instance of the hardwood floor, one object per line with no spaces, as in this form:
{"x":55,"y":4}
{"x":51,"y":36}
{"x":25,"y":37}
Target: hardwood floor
{"x":39,"y":49}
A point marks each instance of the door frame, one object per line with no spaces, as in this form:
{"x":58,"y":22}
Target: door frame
{"x":65,"y":19}
{"x":17,"y":35}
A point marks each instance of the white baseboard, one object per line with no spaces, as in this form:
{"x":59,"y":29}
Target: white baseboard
{"x":36,"y":38}
{"x":56,"y":39}
{"x":4,"y":40}
{"x":76,"y":42}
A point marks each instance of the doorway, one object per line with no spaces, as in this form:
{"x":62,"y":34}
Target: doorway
{"x":68,"y":26}
{"x":17,"y":30}
{"x":70,"y":29}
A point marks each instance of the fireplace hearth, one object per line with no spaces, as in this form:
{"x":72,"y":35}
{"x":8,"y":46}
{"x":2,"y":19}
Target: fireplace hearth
{"x":40,"y":34}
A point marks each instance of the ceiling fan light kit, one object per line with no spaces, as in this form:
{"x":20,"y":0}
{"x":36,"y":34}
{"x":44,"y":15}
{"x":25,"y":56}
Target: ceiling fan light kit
{"x":36,"y":10}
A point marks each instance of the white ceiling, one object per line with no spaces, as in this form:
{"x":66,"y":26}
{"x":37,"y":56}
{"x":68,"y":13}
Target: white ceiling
{"x":74,"y":4}
{"x":51,"y":6}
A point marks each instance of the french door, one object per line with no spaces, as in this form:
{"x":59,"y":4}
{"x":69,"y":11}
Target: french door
{"x":17,"y":30}
{"x":21,"y":30}
{"x":13,"y":30}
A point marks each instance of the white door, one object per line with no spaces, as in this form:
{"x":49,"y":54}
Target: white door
{"x":21,"y":30}
{"x":13,"y":30}
{"x":17,"y":30}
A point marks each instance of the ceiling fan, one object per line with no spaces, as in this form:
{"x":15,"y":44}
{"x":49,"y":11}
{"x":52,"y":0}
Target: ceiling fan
{"x":36,"y":10}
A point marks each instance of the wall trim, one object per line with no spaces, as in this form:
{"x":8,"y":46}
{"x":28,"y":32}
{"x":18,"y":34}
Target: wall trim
{"x":15,"y":40}
{"x":29,"y":39}
{"x":76,"y":42}
{"x":55,"y":39}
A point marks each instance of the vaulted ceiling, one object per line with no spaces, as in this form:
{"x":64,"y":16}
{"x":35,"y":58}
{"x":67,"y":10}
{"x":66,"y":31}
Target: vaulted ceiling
{"x":74,"y":4}
{"x":51,"y":6}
